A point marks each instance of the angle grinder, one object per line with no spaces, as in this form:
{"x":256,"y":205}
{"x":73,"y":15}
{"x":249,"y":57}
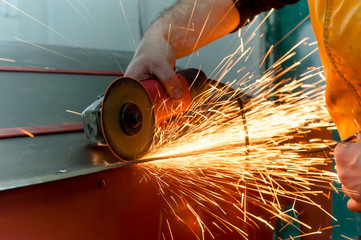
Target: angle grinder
{"x":125,"y":117}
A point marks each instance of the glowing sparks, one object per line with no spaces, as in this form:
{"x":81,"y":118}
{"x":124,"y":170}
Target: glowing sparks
{"x":199,"y":36}
{"x":26,"y":132}
{"x":81,"y":15}
{"x":227,"y":158}
{"x":187,"y":28}
{"x":46,"y":49}
{"x":70,"y":111}
{"x":264,"y":59}
{"x":346,"y":237}
{"x":170,"y":230}
{"x":189,"y":24}
{"x":293,"y":29}
{"x":38,"y":21}
{"x":127,"y":23}
{"x":206,"y":161}
{"x":232,"y":153}
{"x":7,"y":60}
{"x":91,"y":17}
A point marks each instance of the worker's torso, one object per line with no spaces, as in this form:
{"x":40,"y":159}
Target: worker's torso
{"x":337,"y":26}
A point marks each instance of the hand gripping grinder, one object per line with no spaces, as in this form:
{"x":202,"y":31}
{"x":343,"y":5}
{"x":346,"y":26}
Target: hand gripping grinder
{"x":125,"y":117}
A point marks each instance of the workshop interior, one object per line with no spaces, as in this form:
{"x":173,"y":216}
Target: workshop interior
{"x":88,"y":153}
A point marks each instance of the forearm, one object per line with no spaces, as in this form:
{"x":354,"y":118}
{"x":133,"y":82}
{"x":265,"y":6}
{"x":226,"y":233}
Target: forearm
{"x":191,"y":24}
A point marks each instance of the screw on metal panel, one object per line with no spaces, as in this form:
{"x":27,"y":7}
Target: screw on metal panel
{"x":101,"y":183}
{"x":64,"y":170}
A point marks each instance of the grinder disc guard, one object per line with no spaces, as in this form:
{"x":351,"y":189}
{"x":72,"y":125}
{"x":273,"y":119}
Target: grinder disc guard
{"x":127,"y":119}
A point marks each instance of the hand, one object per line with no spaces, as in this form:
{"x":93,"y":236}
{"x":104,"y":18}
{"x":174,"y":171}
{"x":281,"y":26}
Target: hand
{"x":155,"y":57}
{"x":348,"y":167}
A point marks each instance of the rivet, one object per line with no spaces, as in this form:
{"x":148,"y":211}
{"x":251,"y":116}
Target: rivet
{"x":101,"y":183}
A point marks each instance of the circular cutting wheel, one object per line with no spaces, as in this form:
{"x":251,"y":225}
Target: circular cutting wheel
{"x":127,"y":118}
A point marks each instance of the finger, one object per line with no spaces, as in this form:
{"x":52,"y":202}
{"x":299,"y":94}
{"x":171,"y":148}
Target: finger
{"x":167,"y":76}
{"x":354,"y":205}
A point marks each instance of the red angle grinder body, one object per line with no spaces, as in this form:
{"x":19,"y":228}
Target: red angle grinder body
{"x":126,"y":116}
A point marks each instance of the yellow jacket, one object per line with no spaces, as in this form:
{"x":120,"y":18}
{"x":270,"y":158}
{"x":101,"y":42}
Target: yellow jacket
{"x":337,"y":26}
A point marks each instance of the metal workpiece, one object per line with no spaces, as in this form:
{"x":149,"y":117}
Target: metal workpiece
{"x":41,"y":100}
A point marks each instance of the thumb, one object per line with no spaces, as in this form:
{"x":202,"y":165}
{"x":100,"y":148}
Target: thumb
{"x":354,"y":205}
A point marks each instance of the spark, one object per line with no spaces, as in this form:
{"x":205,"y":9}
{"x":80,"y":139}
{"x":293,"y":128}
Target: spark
{"x":188,"y":28}
{"x":170,"y":230}
{"x":216,"y":147}
{"x":47,"y":49}
{"x":224,"y":160}
{"x":304,"y":235}
{"x":293,"y":29}
{"x":70,"y":111}
{"x":7,"y":60}
{"x":26,"y":132}
{"x":346,"y":237}
{"x":41,"y":23}
{"x":189,"y":24}
{"x":221,"y":20}
{"x":82,"y":16}
{"x":268,"y":52}
{"x":169,"y":29}
{"x":127,"y":23}
{"x":313,"y":43}
{"x":199,"y":36}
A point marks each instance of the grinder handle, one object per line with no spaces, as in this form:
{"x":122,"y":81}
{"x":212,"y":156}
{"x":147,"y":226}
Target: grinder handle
{"x":163,"y":105}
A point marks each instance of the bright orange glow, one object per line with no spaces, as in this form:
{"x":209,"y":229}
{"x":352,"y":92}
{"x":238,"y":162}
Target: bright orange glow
{"x":217,"y":160}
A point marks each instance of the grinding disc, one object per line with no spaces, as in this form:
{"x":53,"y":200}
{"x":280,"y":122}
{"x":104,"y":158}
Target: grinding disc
{"x":125,"y":93}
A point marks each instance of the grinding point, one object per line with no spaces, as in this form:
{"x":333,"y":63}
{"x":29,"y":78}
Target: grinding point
{"x":127,"y":119}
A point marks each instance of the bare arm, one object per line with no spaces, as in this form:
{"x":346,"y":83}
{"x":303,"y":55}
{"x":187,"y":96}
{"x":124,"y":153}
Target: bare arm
{"x":184,"y":28}
{"x":191,"y":24}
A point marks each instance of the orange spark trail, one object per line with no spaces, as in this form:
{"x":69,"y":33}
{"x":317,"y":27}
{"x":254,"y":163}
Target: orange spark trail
{"x":346,"y":237}
{"x":201,"y":160}
{"x":199,"y":37}
{"x":77,"y":113}
{"x":41,"y":23}
{"x":26,"y":132}
{"x":92,"y":18}
{"x":7,"y":60}
{"x":46,"y":49}
{"x":189,"y":24}
{"x":264,"y":59}
{"x":84,"y":18}
{"x":293,"y":29}
{"x":127,"y":23}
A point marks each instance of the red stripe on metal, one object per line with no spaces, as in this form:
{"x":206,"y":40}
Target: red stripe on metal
{"x":40,"y":130}
{"x":60,"y":71}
